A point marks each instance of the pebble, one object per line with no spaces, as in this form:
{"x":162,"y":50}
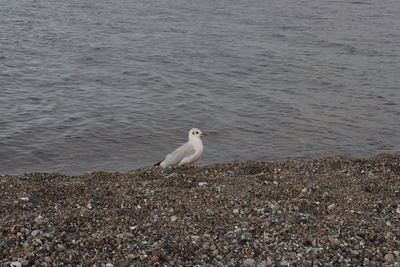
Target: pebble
{"x":154,"y":259}
{"x":284,"y":263}
{"x":389,"y":258}
{"x":202,"y":183}
{"x":262,"y":264}
{"x":16,"y":264}
{"x":109,"y":265}
{"x":195,"y":237}
{"x":25,"y":262}
{"x":274,"y":207}
{"x":39,"y":220}
{"x":174,"y":218}
{"x":398,"y":209}
{"x":249,"y":262}
{"x":47,"y":235}
{"x":48,"y":259}
{"x":219,"y":258}
{"x":331,"y":206}
{"x":35,"y":232}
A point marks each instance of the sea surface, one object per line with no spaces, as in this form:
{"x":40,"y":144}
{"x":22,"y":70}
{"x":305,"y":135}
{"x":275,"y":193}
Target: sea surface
{"x":89,"y":85}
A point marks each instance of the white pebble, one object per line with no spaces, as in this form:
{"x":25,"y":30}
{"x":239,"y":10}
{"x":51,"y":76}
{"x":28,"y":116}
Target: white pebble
{"x":331,"y":206}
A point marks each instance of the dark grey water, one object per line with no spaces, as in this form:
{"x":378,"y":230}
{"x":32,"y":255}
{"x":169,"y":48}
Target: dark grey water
{"x":114,"y":85}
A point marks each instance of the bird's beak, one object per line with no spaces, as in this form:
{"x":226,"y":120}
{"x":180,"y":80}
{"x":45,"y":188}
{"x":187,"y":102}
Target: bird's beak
{"x":203,"y":134}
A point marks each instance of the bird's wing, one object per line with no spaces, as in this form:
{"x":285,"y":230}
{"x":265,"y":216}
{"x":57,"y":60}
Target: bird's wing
{"x":180,"y":153}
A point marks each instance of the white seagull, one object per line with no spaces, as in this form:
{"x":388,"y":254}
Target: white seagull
{"x":187,"y":153}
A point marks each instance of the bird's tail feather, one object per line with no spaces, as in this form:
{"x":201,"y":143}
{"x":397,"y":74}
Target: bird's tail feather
{"x":158,"y":163}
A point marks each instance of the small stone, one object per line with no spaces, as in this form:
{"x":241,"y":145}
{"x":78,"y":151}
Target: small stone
{"x":25,"y":262}
{"x":15,"y":264}
{"x":47,"y":235}
{"x":155,"y":259}
{"x":195,"y":237}
{"x":331,"y":206}
{"x":284,"y":263}
{"x":398,"y":209}
{"x":334,"y":240}
{"x":389,"y":258}
{"x":48,"y":259}
{"x":60,"y":247}
{"x":236,"y":211}
{"x":109,"y":265}
{"x":262,"y":264}
{"x":13,"y":229}
{"x":39,"y":220}
{"x":202,"y":183}
{"x":388,"y":223}
{"x":314,"y":243}
{"x":304,"y":190}
{"x":174,"y":218}
{"x":274,"y":207}
{"x":246,"y":236}
{"x":23,"y":199}
{"x":35,"y":232}
{"x":249,"y":263}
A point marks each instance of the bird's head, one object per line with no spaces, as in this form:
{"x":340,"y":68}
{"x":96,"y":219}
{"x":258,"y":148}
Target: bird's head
{"x":195,"y":133}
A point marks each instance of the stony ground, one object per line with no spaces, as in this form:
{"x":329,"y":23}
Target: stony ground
{"x":332,"y":212}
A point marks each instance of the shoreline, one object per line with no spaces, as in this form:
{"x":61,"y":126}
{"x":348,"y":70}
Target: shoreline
{"x":334,"y":210}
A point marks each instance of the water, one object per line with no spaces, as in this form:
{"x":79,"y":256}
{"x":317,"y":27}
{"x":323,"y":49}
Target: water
{"x":114,"y":85}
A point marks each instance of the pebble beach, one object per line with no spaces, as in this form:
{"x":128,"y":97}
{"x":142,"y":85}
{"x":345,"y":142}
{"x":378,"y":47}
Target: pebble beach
{"x":333,"y":211}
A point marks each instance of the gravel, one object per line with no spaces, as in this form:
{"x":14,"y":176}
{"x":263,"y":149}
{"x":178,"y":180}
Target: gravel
{"x":332,"y":211}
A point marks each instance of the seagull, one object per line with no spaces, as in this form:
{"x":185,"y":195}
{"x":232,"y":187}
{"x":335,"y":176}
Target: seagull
{"x":187,"y":153}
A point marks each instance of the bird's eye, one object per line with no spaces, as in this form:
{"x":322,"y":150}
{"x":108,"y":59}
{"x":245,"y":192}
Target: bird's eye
{"x":197,"y":132}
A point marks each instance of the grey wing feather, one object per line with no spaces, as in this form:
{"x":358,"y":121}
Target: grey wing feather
{"x":179,"y":154}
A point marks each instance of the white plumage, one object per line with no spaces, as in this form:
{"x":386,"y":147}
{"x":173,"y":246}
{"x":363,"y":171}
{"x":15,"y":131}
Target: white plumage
{"x":187,"y":153}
